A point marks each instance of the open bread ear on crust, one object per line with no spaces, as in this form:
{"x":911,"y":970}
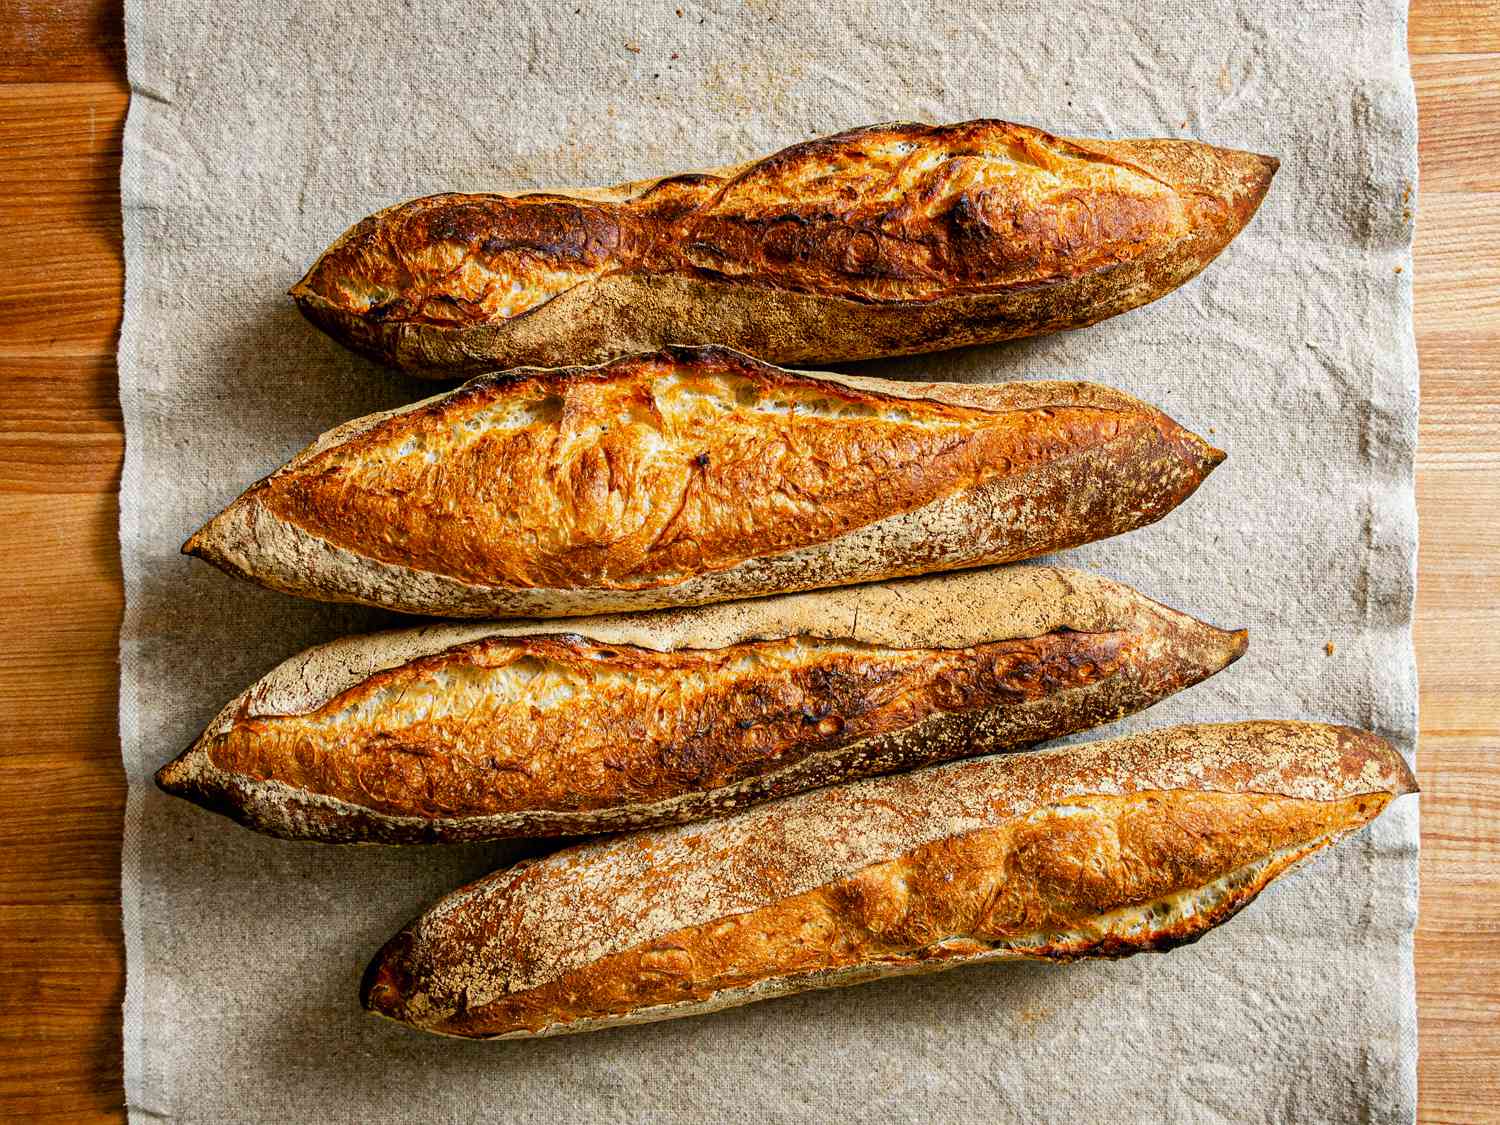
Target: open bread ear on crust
{"x":1105,"y":849}
{"x":473,"y":732}
{"x":696,"y":475}
{"x":886,"y":240}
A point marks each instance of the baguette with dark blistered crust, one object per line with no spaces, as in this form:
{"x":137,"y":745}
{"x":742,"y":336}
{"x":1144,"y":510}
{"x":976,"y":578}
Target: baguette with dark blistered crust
{"x":1141,"y":843}
{"x":885,"y":240}
{"x":696,"y":475}
{"x":478,"y":732}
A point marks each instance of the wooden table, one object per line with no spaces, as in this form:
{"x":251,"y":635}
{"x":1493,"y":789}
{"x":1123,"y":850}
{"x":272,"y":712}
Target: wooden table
{"x":63,"y":98}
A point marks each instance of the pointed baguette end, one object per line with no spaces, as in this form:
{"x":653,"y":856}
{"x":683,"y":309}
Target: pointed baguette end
{"x":1238,"y":645}
{"x":176,"y":777}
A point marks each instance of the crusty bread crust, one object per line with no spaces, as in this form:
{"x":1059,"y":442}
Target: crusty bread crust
{"x":1106,"y":849}
{"x":885,"y":240}
{"x":695,"y":475}
{"x":450,"y":733}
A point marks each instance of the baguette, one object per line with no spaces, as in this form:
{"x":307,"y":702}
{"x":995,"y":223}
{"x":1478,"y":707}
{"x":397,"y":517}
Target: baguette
{"x":476,"y":732}
{"x":886,"y":240}
{"x":1103,"y":850}
{"x":695,"y":475}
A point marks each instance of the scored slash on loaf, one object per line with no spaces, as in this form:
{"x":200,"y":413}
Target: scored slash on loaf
{"x":473,"y":732}
{"x":1112,"y":848}
{"x":886,"y":240}
{"x":695,"y":475}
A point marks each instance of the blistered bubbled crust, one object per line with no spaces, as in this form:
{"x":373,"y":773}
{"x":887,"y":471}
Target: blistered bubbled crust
{"x":694,"y":475}
{"x":883,"y":240}
{"x":658,"y":468}
{"x":438,"y":734}
{"x":510,"y":726}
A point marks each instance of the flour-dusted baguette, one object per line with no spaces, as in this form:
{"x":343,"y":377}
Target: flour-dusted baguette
{"x":885,"y":240}
{"x":471,"y":732}
{"x":695,"y":475}
{"x":1107,"y":849}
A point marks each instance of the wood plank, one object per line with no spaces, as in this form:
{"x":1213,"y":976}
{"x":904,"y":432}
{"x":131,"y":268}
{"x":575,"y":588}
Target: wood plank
{"x":74,"y":841}
{"x":61,"y":805}
{"x":52,"y":391}
{"x":1456,"y":513}
{"x":62,"y":791}
{"x":1458,"y":1075}
{"x":1458,"y":284}
{"x":1438,"y":27}
{"x":61,"y":565}
{"x":1460,"y":423}
{"x":64,"y":969}
{"x":61,"y":264}
{"x":1457,"y":628}
{"x":1464,"y":711}
{"x":1461,"y":839}
{"x":62,"y":461}
{"x":63,"y":41}
{"x":1458,"y":976}
{"x":60,"y":424}
{"x":1459,"y":122}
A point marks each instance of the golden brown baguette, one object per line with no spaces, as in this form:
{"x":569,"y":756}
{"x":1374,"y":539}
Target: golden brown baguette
{"x":885,"y":240}
{"x":692,"y":476}
{"x":478,"y":732}
{"x":1107,"y":849}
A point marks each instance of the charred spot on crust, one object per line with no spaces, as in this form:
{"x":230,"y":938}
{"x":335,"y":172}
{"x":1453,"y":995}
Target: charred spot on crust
{"x":388,"y":979}
{"x":902,"y":213}
{"x":561,"y":233}
{"x":967,"y":218}
{"x":393,"y":309}
{"x":486,"y":728}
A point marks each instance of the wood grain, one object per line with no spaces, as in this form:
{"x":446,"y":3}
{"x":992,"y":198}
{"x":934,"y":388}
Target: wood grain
{"x":62,"y":103}
{"x":1438,"y":27}
{"x":1458,"y":111}
{"x":61,"y":222}
{"x":78,"y":41}
{"x":1458,"y":288}
{"x":69,"y":1008}
{"x":62,"y":976}
{"x":1457,"y":630}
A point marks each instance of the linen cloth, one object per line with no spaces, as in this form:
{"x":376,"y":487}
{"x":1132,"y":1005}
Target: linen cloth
{"x":260,"y":129}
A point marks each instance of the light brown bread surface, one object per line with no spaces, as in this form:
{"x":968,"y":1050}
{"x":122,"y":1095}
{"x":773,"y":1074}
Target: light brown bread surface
{"x":885,"y":240}
{"x":480,"y":732}
{"x":1107,"y":849}
{"x":695,"y":475}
